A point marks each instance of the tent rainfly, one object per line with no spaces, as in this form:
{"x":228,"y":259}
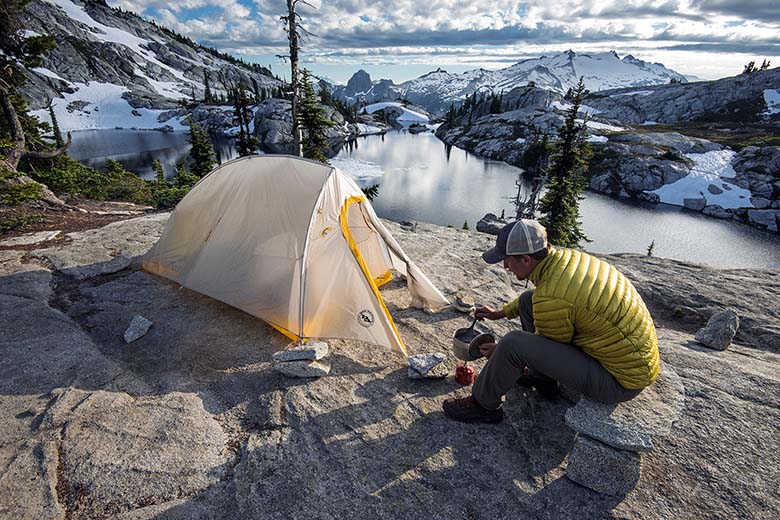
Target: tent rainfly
{"x":293,"y":242}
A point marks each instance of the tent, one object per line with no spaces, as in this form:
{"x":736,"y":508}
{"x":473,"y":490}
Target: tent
{"x":293,"y":242}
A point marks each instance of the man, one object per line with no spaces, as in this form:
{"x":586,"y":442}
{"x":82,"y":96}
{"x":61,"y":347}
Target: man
{"x":584,"y":325}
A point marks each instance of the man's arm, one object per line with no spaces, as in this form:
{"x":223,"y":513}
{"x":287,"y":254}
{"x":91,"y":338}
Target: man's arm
{"x":554,"y":319}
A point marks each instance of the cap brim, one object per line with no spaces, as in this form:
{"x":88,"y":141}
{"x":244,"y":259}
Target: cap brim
{"x":493,"y":255}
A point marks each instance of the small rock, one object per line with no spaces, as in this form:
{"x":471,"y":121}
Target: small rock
{"x":602,"y":468}
{"x":719,"y":331}
{"x":139,"y":326}
{"x":427,"y":366}
{"x":29,"y":238}
{"x":715,"y":190}
{"x":310,"y":351}
{"x":303,"y":368}
{"x":407,"y":225}
{"x":464,"y":303}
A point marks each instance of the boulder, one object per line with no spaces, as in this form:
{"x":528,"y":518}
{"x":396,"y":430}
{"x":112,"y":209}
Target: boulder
{"x":631,"y":425}
{"x":760,"y":202}
{"x":407,"y":225}
{"x":29,"y":238}
{"x":313,"y":351}
{"x":695,"y":204}
{"x":715,"y":190}
{"x":491,"y":224}
{"x":767,"y":218}
{"x":139,"y":326}
{"x":302,"y":368}
{"x":602,"y":468}
{"x":713,"y":210}
{"x":719,"y":331}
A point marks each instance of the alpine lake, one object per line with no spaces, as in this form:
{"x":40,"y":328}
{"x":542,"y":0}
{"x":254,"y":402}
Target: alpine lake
{"x":425,"y":180}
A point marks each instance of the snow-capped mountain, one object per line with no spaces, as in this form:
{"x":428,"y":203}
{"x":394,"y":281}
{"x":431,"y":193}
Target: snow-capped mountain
{"x":437,"y":89}
{"x":112,"y":68}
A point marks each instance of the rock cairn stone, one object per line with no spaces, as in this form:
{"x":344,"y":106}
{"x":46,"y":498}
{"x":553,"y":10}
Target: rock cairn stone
{"x":605,"y":457}
{"x":427,"y":366}
{"x":719,"y":331}
{"x":302,"y":360}
{"x":138,"y":328}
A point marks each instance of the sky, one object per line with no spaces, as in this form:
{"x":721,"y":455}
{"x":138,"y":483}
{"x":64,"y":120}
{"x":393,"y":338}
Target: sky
{"x":403,"y":39}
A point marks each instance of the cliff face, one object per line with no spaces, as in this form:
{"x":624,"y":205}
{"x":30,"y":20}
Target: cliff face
{"x":190,"y":420}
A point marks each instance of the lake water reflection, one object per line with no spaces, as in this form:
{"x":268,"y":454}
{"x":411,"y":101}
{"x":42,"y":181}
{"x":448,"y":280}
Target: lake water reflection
{"x":422,"y":179}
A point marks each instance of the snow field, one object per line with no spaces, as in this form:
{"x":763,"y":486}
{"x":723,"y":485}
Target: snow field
{"x":709,"y":168}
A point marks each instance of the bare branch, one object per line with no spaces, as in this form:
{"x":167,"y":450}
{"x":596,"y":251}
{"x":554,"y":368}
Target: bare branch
{"x":48,"y":154}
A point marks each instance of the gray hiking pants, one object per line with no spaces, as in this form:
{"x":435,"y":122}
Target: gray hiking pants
{"x":545,"y":359}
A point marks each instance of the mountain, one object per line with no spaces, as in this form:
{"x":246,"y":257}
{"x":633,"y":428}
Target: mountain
{"x":112,"y":68}
{"x":436,"y":90}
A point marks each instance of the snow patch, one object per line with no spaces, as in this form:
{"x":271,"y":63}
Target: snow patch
{"x":637,"y":93}
{"x":584,"y":109}
{"x":595,"y":125}
{"x":48,"y":73}
{"x":520,"y":140}
{"x":772,"y":99}
{"x":364,"y":129}
{"x":98,"y":105}
{"x":597,"y":139}
{"x":406,"y":115}
{"x":708,"y":168}
{"x":649,"y":123}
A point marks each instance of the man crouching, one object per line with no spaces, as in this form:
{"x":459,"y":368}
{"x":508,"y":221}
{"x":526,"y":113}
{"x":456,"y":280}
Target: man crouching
{"x":584,"y":325}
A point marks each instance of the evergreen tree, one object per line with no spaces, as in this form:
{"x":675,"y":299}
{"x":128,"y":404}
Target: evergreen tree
{"x":560,"y":206}
{"x":201,"y":152}
{"x":495,"y":104}
{"x":313,"y":122}
{"x":159,"y":173}
{"x":371,"y":192}
{"x":183,"y":178}
{"x":207,"y":97}
{"x":451,"y":115}
{"x":247,"y":143}
{"x":55,"y":127}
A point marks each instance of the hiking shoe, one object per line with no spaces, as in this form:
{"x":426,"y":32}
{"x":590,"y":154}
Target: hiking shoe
{"x":547,"y":388}
{"x":467,"y":409}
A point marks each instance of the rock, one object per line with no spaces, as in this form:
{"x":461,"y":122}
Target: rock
{"x":303,"y":368}
{"x":760,"y":203}
{"x":713,"y":210}
{"x":602,"y":468}
{"x":139,"y":326}
{"x":29,"y":238}
{"x":715,"y":190}
{"x":407,"y":225}
{"x":695,"y":204}
{"x":630,"y":425}
{"x":464,"y":303}
{"x":491,"y":224}
{"x":310,"y":351}
{"x":427,"y":366}
{"x":719,"y":331}
{"x":767,"y":218}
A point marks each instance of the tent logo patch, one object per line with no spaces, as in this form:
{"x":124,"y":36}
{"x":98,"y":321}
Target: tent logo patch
{"x":365,"y":318}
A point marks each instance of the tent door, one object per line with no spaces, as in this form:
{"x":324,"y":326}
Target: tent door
{"x":360,"y":234}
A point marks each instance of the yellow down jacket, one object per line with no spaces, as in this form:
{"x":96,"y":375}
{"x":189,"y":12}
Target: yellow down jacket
{"x":586,"y":302}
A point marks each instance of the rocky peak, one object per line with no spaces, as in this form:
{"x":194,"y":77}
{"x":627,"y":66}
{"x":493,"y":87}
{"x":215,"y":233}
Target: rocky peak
{"x":359,"y":82}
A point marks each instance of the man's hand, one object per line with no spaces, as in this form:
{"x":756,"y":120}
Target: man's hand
{"x":488,"y":312}
{"x":487,"y":349}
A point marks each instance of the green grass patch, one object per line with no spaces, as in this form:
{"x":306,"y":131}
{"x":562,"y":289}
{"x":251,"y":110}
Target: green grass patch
{"x":19,"y":221}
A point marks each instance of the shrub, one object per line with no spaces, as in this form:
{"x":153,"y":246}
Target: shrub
{"x":13,"y":194}
{"x":19,"y":221}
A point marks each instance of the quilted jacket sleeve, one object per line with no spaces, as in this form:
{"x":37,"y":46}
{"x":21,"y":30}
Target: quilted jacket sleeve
{"x":553,"y":318}
{"x":512,"y":309}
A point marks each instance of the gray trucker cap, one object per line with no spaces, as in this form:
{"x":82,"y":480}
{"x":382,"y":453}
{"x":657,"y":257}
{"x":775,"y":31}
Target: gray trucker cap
{"x":523,"y":237}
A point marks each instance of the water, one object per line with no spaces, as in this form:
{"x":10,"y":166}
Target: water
{"x":422,"y":179}
{"x":136,"y":150}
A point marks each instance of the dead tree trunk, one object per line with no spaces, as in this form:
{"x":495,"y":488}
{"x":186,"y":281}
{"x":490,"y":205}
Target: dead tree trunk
{"x":292,"y":36}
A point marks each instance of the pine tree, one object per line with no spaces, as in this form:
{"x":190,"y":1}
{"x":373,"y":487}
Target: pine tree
{"x":451,"y":116}
{"x":159,"y":173}
{"x":313,"y":122}
{"x":560,"y":206}
{"x":207,"y":97}
{"x":201,"y":152}
{"x":59,"y":142}
{"x":247,"y":143}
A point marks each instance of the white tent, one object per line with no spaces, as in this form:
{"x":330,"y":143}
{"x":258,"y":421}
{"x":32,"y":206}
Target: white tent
{"x":293,"y":242}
